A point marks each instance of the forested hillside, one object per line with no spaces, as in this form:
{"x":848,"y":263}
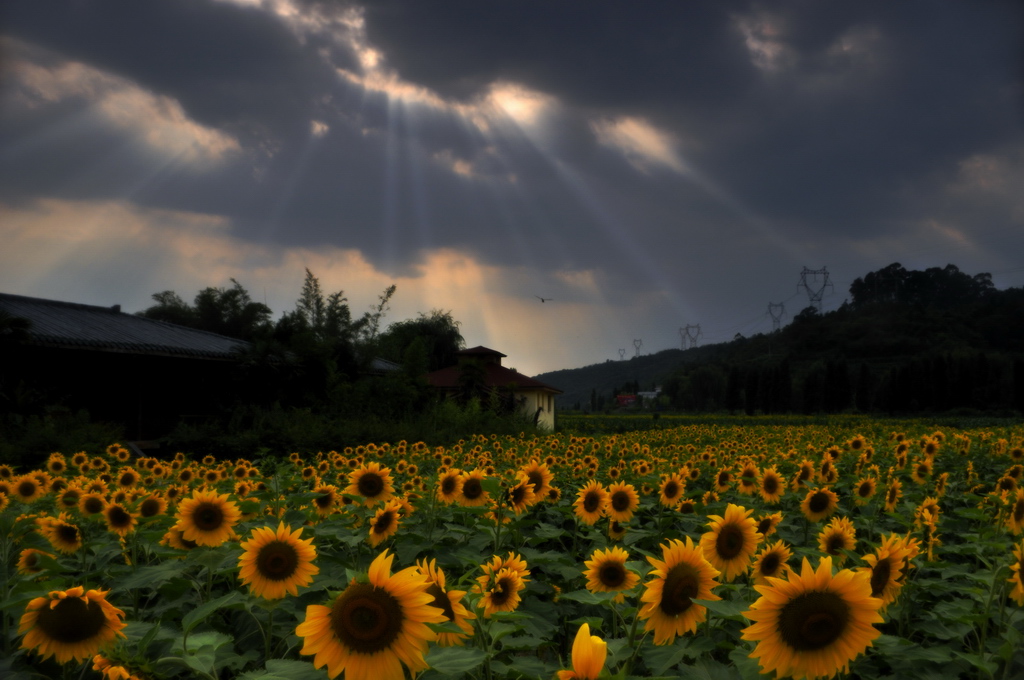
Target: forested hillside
{"x":905,"y":342}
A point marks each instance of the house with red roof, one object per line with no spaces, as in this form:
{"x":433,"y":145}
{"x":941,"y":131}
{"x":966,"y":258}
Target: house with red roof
{"x":479,"y":368}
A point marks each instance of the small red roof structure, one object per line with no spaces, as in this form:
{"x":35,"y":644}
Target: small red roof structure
{"x":535,"y":398}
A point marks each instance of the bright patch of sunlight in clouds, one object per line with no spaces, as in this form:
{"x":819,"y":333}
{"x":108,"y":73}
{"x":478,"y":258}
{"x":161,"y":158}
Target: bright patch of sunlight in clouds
{"x":157,"y":122}
{"x":642,"y":144}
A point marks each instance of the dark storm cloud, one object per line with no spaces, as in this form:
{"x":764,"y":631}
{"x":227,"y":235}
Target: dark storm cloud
{"x":224,"y":63}
{"x":828,"y":141}
{"x":803,"y":119}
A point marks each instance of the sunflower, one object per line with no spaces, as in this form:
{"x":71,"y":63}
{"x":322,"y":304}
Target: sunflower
{"x":819,"y":504}
{"x":540,"y":476}
{"x":374,"y":627}
{"x":892,"y":495}
{"x":813,"y":624}
{"x":723,"y":480}
{"x":590,"y":503}
{"x":127,"y":478}
{"x":671,"y":490}
{"x":449,"y":484}
{"x":588,"y":656}
{"x":607,"y":573}
{"x":277,"y":562}
{"x":207,"y":518}
{"x":70,"y":624}
{"x":372,"y":482}
{"x":1015,"y":517}
{"x":865,"y":491}
{"x":119,"y":520}
{"x":771,"y":562}
{"x":63,"y":535}
{"x":174,"y":539}
{"x":501,"y":593}
{"x":1017,"y":575}
{"x":28,"y":488}
{"x":623,"y":501}
{"x":772,"y":485}
{"x":886,"y":569}
{"x":616,"y":530}
{"x":838,"y":536}
{"x":768,"y":524}
{"x":748,"y":479}
{"x":520,"y":495}
{"x":732,"y":541}
{"x":152,"y":505}
{"x":681,"y":576}
{"x":29,"y":561}
{"x":385,"y":523}
{"x":471,"y":491}
{"x":448,"y":601}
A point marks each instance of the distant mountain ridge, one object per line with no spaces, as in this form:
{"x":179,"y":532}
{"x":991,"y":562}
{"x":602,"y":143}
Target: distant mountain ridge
{"x":904,"y":342}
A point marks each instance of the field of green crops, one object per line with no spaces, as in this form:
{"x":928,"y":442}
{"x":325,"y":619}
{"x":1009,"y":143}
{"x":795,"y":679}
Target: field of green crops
{"x":870,"y":548}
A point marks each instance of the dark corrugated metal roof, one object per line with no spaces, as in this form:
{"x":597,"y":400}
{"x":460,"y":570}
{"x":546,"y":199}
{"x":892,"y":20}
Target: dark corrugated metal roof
{"x":73,"y":325}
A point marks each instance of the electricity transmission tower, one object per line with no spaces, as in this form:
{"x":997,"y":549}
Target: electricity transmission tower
{"x":777,"y":311}
{"x":814,"y":281}
{"x":637,"y":344}
{"x":690,"y":335}
{"x":622,"y":354}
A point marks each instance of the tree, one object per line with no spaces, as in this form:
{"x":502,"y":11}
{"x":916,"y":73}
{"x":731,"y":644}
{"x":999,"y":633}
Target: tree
{"x":438,"y":332}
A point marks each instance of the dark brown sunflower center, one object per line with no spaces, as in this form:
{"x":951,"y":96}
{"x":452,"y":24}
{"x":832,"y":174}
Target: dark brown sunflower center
{"x":67,"y":533}
{"x":324,"y":501}
{"x":277,"y":561}
{"x":536,"y":478}
{"x":70,"y":499}
{"x":813,"y":621}
{"x":729,"y":542}
{"x":502,"y":591}
{"x":448,"y":485}
{"x":118,"y":517}
{"x":149,"y":507}
{"x":723,"y":479}
{"x":71,"y":620}
{"x":441,"y":601}
{"x":770,"y":564}
{"x":880,"y":574}
{"x":865,"y":489}
{"x":472,"y":489}
{"x":31,"y":561}
{"x":370,"y":485}
{"x":382,"y":524}
{"x":93,"y":504}
{"x":1007,"y":484}
{"x":1018,"y":510}
{"x":671,"y":490}
{"x":770,"y":485}
{"x":592,"y":501}
{"x":764,"y":526}
{"x":686,"y":507}
{"x":27,"y":488}
{"x":519,"y":494}
{"x":612,"y":574}
{"x":127,"y":479}
{"x":208,"y":517}
{"x":835,"y":543}
{"x":681,"y":585}
{"x":620,"y":501}
{"x":366,"y":619}
{"x":819,"y":502}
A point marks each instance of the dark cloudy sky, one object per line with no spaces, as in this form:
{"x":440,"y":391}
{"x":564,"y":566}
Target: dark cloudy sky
{"x":648,"y":165}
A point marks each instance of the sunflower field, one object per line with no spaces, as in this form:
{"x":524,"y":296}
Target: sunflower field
{"x":747,"y":549}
